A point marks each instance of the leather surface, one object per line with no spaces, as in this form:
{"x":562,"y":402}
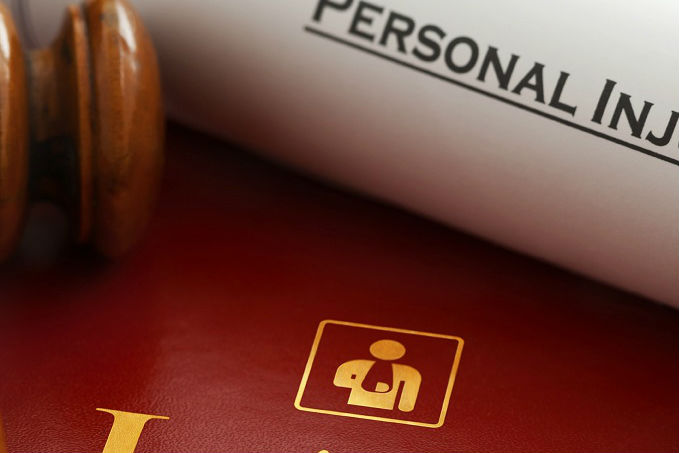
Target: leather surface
{"x":211,"y":320}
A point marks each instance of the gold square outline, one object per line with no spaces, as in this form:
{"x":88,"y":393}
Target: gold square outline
{"x":312,"y":356}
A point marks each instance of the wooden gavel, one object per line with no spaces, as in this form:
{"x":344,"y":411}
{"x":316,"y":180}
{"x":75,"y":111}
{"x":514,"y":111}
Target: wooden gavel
{"x":81,"y":125}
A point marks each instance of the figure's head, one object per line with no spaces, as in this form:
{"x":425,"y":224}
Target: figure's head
{"x":387,"y":350}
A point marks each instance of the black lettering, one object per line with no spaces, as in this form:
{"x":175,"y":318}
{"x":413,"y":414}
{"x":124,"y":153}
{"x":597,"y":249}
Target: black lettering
{"x":556,"y":96}
{"x":669,"y":130}
{"x":603,"y":101}
{"x":538,"y":85}
{"x":473,"y":56}
{"x":503,"y":75}
{"x":322,"y":4}
{"x":625,"y":106}
{"x":429,"y":43}
{"x":390,"y":28}
{"x":360,"y":18}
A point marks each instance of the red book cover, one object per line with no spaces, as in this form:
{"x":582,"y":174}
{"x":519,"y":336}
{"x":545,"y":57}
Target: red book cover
{"x":267,"y":312}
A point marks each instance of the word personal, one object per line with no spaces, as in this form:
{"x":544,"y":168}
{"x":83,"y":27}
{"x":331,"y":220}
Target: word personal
{"x":507,"y":77}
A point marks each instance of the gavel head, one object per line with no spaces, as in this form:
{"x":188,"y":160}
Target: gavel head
{"x":81,"y":125}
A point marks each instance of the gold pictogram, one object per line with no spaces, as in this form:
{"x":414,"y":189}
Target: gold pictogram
{"x":392,"y":375}
{"x":406,"y":379}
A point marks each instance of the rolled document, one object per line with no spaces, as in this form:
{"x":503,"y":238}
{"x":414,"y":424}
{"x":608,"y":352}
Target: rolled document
{"x":547,"y":127}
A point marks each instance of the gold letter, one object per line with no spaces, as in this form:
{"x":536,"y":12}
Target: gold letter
{"x":126,"y":429}
{"x":3,"y":448}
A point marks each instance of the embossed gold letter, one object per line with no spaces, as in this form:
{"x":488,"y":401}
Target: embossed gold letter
{"x":3,"y":448}
{"x":126,"y":429}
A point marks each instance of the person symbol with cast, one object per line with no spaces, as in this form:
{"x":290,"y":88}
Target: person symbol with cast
{"x":405,"y":380}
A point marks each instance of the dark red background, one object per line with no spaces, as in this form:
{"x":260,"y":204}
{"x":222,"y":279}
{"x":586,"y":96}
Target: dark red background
{"x":210,"y":321}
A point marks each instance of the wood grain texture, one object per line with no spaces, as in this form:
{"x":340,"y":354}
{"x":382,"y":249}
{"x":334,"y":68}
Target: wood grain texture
{"x":128,"y":124}
{"x":13,"y":135}
{"x":60,"y":99}
{"x":92,"y":104}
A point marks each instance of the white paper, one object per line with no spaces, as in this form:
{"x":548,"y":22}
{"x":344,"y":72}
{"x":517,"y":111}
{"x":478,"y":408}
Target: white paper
{"x":514,"y":170}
